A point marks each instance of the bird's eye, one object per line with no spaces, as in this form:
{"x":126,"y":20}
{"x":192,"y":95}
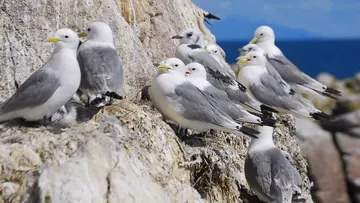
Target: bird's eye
{"x":261,"y":34}
{"x":66,"y":36}
{"x":89,"y":29}
{"x":193,"y":69}
{"x":176,"y":65}
{"x":215,"y":51}
{"x":189,"y":34}
{"x":254,"y":57}
{"x":250,"y":49}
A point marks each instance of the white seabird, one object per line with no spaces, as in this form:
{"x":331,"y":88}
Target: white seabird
{"x":268,"y":173}
{"x":196,"y":74}
{"x":101,"y":67}
{"x":267,"y":90}
{"x":183,"y":103}
{"x":219,"y":76}
{"x":264,"y":37}
{"x":51,"y":86}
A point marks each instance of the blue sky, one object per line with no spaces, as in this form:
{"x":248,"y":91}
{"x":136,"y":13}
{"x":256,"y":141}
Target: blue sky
{"x":291,"y":19}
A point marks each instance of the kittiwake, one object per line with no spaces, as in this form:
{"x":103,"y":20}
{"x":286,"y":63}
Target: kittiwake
{"x":264,"y":37}
{"x":269,"y":91}
{"x":219,"y":76}
{"x":196,"y":74}
{"x":208,"y":16}
{"x":191,"y":36}
{"x":51,"y":86}
{"x":101,"y":67}
{"x":268,"y":173}
{"x":269,"y":67}
{"x":182,"y":102}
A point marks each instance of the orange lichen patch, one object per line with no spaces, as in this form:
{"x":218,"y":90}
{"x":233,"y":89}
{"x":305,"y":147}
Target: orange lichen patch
{"x":124,"y":4}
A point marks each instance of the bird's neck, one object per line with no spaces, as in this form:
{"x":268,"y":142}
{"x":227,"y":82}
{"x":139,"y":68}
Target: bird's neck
{"x":270,"y":48}
{"x":265,"y":140}
{"x":63,"y":51}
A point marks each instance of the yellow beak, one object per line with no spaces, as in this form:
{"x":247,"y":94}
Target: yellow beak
{"x":253,"y":41}
{"x":207,"y":50}
{"x":52,"y":39}
{"x":82,"y":35}
{"x":241,"y":60}
{"x":162,"y":67}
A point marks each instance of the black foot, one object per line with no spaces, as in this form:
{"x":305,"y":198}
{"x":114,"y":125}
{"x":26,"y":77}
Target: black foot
{"x":97,"y":101}
{"x":113,"y":95}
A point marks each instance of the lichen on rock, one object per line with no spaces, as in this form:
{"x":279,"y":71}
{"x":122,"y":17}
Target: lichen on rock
{"x":127,"y":154}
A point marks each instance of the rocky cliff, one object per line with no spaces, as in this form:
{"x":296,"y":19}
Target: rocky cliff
{"x":127,"y":154}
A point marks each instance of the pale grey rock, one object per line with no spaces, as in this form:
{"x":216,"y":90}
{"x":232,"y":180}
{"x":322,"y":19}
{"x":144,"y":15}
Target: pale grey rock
{"x":130,"y":154}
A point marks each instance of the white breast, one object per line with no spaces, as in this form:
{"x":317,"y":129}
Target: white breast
{"x":250,"y":74}
{"x":69,"y":74}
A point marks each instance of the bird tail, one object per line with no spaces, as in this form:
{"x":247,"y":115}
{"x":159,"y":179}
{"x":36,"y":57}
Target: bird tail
{"x":323,"y":90}
{"x":249,"y":131}
{"x":266,"y":110}
{"x":211,"y":16}
{"x":266,"y":119}
{"x":268,"y":122}
{"x":321,"y":116}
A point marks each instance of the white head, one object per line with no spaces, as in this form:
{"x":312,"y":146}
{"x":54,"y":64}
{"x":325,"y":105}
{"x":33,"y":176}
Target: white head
{"x":263,"y":34}
{"x":65,"y":38}
{"x":99,"y":31}
{"x":253,"y":58}
{"x":172,"y":65}
{"x":249,"y":47}
{"x":196,"y":70}
{"x":190,"y":36}
{"x":214,"y":50}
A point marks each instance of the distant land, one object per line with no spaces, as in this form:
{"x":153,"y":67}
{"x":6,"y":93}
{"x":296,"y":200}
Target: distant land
{"x":337,"y":57}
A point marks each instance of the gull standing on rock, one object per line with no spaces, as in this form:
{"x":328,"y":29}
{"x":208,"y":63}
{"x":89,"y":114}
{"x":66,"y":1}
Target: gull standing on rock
{"x":101,"y":67}
{"x":268,"y":173}
{"x":182,"y":102}
{"x":51,"y":86}
{"x":196,"y":74}
{"x":264,"y":37}
{"x":269,"y":91}
{"x":219,"y":76}
{"x":269,"y":67}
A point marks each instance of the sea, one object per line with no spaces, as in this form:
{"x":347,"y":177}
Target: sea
{"x":340,"y":58}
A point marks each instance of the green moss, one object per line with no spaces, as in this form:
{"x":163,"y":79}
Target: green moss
{"x":47,"y":198}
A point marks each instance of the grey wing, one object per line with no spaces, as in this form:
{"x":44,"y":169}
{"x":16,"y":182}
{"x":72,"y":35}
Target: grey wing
{"x":220,"y":76}
{"x":288,"y":71}
{"x":283,"y":176}
{"x":258,"y":175}
{"x":220,"y":99}
{"x":195,"y":106}
{"x":101,"y":69}
{"x":273,"y":72}
{"x":268,"y":92}
{"x":36,"y":90}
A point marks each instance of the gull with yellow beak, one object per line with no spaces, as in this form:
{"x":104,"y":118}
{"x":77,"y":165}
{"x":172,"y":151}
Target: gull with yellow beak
{"x":220,"y":77}
{"x":196,"y":74}
{"x":101,"y":67}
{"x":269,"y":67}
{"x":267,"y":90}
{"x":51,"y":86}
{"x":182,"y":102}
{"x":264,"y":37}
